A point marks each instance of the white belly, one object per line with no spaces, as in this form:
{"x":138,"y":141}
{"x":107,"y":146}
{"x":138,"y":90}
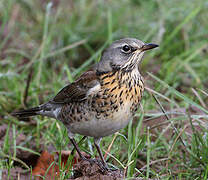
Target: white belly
{"x":104,"y":126}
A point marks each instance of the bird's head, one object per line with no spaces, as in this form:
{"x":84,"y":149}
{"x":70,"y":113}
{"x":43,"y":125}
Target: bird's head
{"x":124,"y":54}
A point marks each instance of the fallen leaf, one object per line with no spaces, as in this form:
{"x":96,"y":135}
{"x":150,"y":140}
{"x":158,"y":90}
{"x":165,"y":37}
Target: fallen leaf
{"x":46,"y":167}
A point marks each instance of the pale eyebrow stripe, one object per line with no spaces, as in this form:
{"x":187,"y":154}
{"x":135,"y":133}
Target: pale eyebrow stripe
{"x":121,"y":45}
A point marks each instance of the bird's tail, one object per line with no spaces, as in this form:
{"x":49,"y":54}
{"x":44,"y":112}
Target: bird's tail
{"x":28,"y":112}
{"x":48,"y":109}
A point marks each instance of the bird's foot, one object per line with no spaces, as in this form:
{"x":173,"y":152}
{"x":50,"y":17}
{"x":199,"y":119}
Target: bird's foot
{"x":103,"y":166}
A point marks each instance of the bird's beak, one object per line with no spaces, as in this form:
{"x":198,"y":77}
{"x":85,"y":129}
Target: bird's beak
{"x":146,"y":47}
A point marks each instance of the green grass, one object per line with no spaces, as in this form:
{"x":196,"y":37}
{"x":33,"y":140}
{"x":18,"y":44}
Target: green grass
{"x":57,"y":42}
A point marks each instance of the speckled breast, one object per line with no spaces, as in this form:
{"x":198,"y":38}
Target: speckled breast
{"x":111,"y":108}
{"x":120,"y":90}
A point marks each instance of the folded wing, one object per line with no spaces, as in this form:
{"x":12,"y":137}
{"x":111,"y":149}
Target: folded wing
{"x":79,"y":90}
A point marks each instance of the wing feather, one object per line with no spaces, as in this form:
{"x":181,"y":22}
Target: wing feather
{"x":79,"y":90}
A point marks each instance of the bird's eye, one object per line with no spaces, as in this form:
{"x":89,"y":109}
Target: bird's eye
{"x":126,"y":49}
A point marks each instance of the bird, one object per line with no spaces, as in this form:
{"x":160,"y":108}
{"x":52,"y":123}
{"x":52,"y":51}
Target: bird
{"x":103,"y":99}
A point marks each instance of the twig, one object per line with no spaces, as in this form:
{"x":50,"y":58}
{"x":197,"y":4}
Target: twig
{"x":199,"y":97}
{"x":154,"y":162}
{"x":161,"y":95}
{"x":171,"y":149}
{"x":176,"y":131}
{"x":29,"y":77}
{"x":110,"y":146}
{"x":168,"y":118}
{"x":205,"y":93}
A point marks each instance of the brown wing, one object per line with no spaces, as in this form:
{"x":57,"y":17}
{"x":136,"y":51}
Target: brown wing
{"x":78,"y":90}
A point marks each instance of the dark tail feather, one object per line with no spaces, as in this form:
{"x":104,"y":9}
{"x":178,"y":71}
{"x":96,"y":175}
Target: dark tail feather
{"x":26,"y":113}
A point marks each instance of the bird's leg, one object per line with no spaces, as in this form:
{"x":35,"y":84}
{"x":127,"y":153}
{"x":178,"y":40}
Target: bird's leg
{"x":81,"y":140}
{"x":103,"y":166}
{"x":77,"y":148}
{"x":97,"y":145}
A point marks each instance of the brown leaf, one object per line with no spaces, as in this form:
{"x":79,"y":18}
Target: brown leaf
{"x":46,"y":166}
